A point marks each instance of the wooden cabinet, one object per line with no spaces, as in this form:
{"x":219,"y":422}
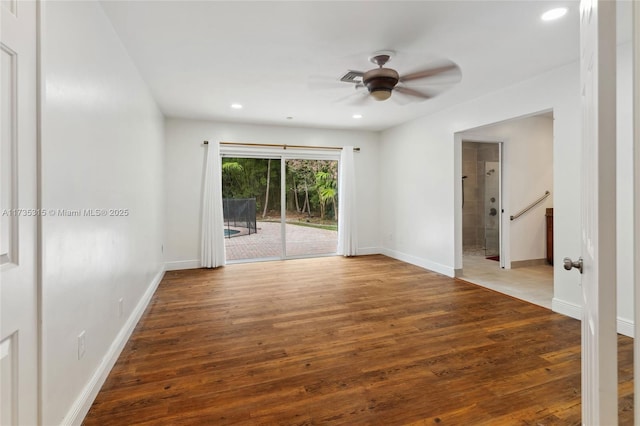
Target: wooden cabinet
{"x":549,"y":216}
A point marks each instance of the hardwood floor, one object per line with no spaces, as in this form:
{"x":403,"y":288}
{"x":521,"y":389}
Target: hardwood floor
{"x":351,"y":341}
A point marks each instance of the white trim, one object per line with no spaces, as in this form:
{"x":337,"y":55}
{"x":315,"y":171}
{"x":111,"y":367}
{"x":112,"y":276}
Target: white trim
{"x":5,"y":347}
{"x":566,"y":308}
{"x":365,"y":251}
{"x":457,"y":200}
{"x":636,"y":197}
{"x":267,"y":152}
{"x":82,"y":404}
{"x":423,"y":263}
{"x":182,"y":264}
{"x":623,"y":325}
{"x":504,"y":231}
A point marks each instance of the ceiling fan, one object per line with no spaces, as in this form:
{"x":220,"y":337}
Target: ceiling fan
{"x":381,"y":82}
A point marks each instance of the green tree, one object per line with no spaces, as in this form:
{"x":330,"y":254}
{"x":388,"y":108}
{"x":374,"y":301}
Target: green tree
{"x":327,"y":187}
{"x":232,"y":178}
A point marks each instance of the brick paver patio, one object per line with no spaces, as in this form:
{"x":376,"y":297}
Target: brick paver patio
{"x":266,"y":243}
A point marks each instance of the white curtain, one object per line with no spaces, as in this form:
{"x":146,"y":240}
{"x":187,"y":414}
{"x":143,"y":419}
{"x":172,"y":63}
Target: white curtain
{"x":212,"y":249}
{"x":347,"y":237}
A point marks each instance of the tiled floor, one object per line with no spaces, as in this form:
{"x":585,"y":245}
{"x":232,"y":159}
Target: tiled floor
{"x":533,"y":284}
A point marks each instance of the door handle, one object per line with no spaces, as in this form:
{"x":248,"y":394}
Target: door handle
{"x":569,"y":264}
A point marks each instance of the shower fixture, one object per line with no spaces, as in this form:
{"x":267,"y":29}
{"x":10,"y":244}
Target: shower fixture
{"x":490,"y":172}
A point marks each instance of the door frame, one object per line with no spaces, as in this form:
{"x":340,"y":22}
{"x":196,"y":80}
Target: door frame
{"x":283,"y":155}
{"x":503,"y":226}
{"x":635,"y":51}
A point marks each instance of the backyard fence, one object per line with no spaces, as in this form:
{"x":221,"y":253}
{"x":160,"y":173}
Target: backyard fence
{"x":239,"y":213}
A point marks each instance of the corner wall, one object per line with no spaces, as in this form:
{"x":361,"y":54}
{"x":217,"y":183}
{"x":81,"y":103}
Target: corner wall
{"x":184,"y":177}
{"x":101,"y":149}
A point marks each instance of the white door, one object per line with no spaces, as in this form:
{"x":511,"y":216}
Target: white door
{"x":598,"y":86}
{"x":18,"y":201}
{"x":636,"y":225}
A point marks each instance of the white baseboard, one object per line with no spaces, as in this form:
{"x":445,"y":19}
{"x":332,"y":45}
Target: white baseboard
{"x":182,"y":264}
{"x":82,"y":404}
{"x":423,"y":263}
{"x":365,"y":251}
{"x":525,"y":263}
{"x":566,"y":308}
{"x":623,"y":326}
{"x":195,"y":264}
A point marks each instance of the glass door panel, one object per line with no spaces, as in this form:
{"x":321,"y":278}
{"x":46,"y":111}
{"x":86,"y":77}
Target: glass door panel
{"x":311,"y":204}
{"x":251,"y":206}
{"x":492,"y":208}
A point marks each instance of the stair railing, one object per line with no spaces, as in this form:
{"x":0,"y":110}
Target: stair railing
{"x":530,"y":206}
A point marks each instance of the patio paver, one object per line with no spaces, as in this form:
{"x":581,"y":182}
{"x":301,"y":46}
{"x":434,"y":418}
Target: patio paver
{"x":266,"y":243}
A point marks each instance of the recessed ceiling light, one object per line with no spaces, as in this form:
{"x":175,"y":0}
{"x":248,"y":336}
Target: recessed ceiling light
{"x":552,"y":14}
{"x":357,"y":116}
{"x":236,"y":106}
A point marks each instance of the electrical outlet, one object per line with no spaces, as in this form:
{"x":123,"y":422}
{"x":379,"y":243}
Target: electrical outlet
{"x":121,"y":307}
{"x":82,"y":345}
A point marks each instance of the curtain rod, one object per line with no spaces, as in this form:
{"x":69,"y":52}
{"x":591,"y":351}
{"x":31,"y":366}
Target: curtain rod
{"x":283,"y":146}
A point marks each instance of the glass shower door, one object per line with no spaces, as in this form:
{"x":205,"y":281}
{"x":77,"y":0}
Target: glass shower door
{"x":492,"y":206}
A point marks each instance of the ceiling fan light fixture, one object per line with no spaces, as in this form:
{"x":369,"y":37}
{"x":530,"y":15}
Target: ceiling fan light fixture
{"x":381,"y":94}
{"x":380,"y":82}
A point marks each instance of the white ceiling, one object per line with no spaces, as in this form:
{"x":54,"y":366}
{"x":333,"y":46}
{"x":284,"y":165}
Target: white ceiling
{"x":281,"y":59}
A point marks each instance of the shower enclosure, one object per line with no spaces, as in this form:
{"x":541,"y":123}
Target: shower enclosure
{"x":491,"y":208}
{"x":481,"y":199}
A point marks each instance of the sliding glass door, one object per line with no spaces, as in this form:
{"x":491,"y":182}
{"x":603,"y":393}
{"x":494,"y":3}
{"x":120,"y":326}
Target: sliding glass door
{"x":279,"y":207}
{"x":311,"y":207}
{"x":251,"y":208}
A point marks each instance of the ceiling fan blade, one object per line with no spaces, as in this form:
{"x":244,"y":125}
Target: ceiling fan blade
{"x":414,"y":92}
{"x":320,"y":82}
{"x":403,"y":100}
{"x":323,"y":83}
{"x":351,"y":95}
{"x":351,"y":76}
{"x":448,"y":70}
{"x":362,"y":99}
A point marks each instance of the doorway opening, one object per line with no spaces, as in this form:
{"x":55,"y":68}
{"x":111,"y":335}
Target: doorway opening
{"x":481,"y":200}
{"x":509,"y":249}
{"x":279,"y":207}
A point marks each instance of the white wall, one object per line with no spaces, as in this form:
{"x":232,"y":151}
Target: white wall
{"x":184,"y":174}
{"x":102,"y":148}
{"x":421,"y":159}
{"x":424,"y":158}
{"x":527,"y":173}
